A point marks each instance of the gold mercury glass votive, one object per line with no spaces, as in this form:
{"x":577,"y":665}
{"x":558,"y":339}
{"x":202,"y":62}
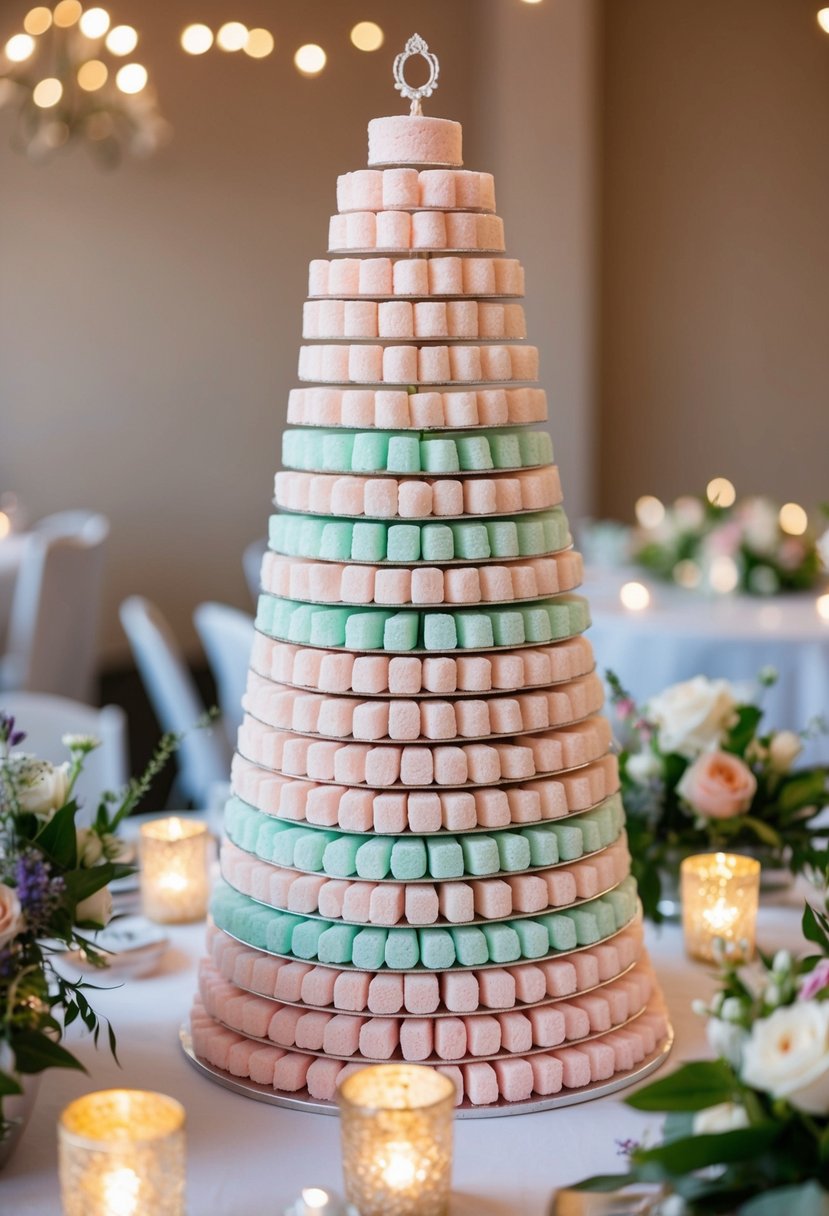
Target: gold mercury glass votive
{"x":173,"y":855}
{"x":720,"y":893}
{"x":121,"y":1153}
{"x":397,"y":1140}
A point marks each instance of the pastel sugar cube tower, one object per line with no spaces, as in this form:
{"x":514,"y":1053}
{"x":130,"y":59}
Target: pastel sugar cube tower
{"x":424,"y":855}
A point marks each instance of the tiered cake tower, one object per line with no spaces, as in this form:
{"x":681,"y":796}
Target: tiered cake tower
{"x":425,"y":856}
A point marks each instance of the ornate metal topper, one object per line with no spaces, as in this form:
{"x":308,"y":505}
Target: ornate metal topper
{"x":416,"y":46}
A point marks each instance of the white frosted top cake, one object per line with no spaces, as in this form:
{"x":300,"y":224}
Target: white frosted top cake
{"x":412,"y":139}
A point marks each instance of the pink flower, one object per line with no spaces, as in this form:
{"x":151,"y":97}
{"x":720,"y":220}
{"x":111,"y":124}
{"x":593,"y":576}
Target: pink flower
{"x":815,"y":981}
{"x":718,"y":785}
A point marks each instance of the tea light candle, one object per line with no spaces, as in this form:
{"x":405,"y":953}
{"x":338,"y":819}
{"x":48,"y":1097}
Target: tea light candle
{"x":173,"y":854}
{"x":121,"y":1153}
{"x":720,"y":893}
{"x":397,"y":1140}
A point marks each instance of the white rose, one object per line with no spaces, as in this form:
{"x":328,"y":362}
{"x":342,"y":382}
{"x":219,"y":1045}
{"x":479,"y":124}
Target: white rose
{"x":784,"y":748}
{"x":692,"y":716}
{"x":643,"y":767}
{"x":90,"y":849}
{"x":11,"y":914}
{"x":724,"y":1117}
{"x":787,"y":1056}
{"x":96,"y":910}
{"x":42,"y":788}
{"x":727,"y":1040}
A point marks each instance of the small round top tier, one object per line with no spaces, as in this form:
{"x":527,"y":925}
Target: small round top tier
{"x":412,"y":139}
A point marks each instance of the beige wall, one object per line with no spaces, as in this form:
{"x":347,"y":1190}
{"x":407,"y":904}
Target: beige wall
{"x":150,"y":317}
{"x":715,"y":249}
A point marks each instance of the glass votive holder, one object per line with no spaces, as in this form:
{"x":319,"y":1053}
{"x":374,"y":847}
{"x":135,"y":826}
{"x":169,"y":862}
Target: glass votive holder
{"x":174,"y":881}
{"x":121,"y":1153}
{"x":396,"y":1123}
{"x":720,"y":893}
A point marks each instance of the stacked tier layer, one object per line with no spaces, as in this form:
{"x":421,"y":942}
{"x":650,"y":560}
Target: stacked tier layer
{"x":425,"y":856}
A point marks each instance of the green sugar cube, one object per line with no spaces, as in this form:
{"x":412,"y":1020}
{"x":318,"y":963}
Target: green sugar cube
{"x":470,"y":946}
{"x":439,"y":631}
{"x":408,"y":859}
{"x":284,"y":843}
{"x":340,"y":857}
{"x":503,"y":944}
{"x":473,"y":452}
{"x":308,"y":538}
{"x":505,"y":450}
{"x":335,"y":544}
{"x":370,"y":452}
{"x":369,"y":949}
{"x":309,"y":851}
{"x":591,"y":837}
{"x":265,"y":607}
{"x":259,"y":927}
{"x":299,"y":624}
{"x":586,"y":924}
{"x":437,"y":543}
{"x":365,"y":630}
{"x":480,"y":855}
{"x":336,"y":451}
{"x":279,"y":933}
{"x":569,"y":840}
{"x":474,"y":630}
{"x":543,"y":845}
{"x":400,"y":631}
{"x":305,"y":938}
{"x":508,"y":627}
{"x":605,"y":913}
{"x":530,"y":536}
{"x":503,"y":537}
{"x":445,"y":858}
{"x":336,"y":943}
{"x":620,"y":904}
{"x":328,"y":627}
{"x":561,"y":931}
{"x":471,"y":541}
{"x":368,"y":543}
{"x":536,"y":624}
{"x":556,"y":530}
{"x":374,"y":857}
{"x":402,"y":950}
{"x":404,"y":454}
{"x":404,"y":543}
{"x":437,"y":949}
{"x":529,"y":444}
{"x":260,"y":838}
{"x":439,"y":456}
{"x":535,"y":942}
{"x":513,"y":851}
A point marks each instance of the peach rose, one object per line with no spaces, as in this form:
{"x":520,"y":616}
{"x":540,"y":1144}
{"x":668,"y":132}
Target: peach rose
{"x":11,"y":914}
{"x":718,"y":785}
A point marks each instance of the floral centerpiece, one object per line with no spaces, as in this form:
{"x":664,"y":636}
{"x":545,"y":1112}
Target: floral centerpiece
{"x":751,"y":544}
{"x":699,"y":773}
{"x":747,"y":1133}
{"x":54,"y":892}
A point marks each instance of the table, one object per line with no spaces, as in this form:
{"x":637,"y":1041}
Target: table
{"x":248,"y":1159}
{"x":683,"y":633}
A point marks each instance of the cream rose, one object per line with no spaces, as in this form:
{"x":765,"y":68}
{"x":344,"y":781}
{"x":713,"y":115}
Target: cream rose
{"x":784,"y":748}
{"x":724,"y":1117}
{"x":11,"y":914}
{"x":42,"y":788}
{"x":643,"y":767}
{"x":90,"y":848}
{"x":787,"y":1056}
{"x":692,"y":716}
{"x":718,"y":786}
{"x":96,"y":910}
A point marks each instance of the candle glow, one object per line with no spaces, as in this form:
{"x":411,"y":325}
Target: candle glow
{"x":720,"y":893}
{"x":174,"y":886}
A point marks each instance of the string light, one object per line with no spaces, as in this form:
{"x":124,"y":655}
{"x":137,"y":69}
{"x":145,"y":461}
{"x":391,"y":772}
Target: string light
{"x":367,"y":36}
{"x":649,"y":511}
{"x":92,"y":75}
{"x":196,"y":39}
{"x":310,"y":59}
{"x":19,"y":47}
{"x":95,"y":22}
{"x":634,"y":596}
{"x":37,"y":20}
{"x":232,"y":36}
{"x":131,"y":78}
{"x":258,"y":44}
{"x":122,"y":40}
{"x":47,"y":92}
{"x":67,"y":13}
{"x":720,"y":492}
{"x":793,"y":519}
{"x":823,"y":20}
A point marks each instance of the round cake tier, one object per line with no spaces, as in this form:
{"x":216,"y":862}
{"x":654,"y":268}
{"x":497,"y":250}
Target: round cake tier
{"x":404,"y":139}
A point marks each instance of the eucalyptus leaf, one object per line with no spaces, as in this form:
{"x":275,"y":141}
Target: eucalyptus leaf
{"x":694,"y":1086}
{"x":809,"y":1199}
{"x":698,"y":1152}
{"x":33,"y":1052}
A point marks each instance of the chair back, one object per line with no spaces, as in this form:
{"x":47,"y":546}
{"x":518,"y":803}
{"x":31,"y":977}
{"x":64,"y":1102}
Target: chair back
{"x":204,"y":755}
{"x":252,"y":565}
{"x":227,"y":637}
{"x":46,"y":719}
{"x":53,"y":627}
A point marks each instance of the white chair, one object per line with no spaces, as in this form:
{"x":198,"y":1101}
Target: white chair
{"x":53,"y":626}
{"x":227,"y":637}
{"x":204,"y":755}
{"x":46,"y":719}
{"x":252,"y":564}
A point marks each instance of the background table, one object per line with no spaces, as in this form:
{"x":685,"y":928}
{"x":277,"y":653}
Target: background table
{"x":249,"y":1159}
{"x":683,"y":634}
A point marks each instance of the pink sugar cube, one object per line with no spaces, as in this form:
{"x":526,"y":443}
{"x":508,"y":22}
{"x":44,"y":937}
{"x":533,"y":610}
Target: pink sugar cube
{"x":602,"y":1060}
{"x":492,"y":320}
{"x":457,"y":902}
{"x":497,"y":988}
{"x":493,"y":898}
{"x":548,"y":1027}
{"x":332,"y":898}
{"x":282,"y":1026}
{"x":382,"y":766}
{"x":458,"y":810}
{"x":404,"y":724}
{"x":318,"y":986}
{"x":451,"y":765}
{"x":552,"y":799}
{"x":483,"y":1035}
{"x":322,"y":804}
{"x":505,"y":716}
{"x":434,"y":363}
{"x":496,"y":584}
{"x":524,"y":805}
{"x":516,"y":1031}
{"x":394,"y":230}
{"x":455,"y":1075}
{"x":318,"y":277}
{"x":262,"y":1065}
{"x":529,"y":893}
{"x":356,"y":811}
{"x":530,"y":983}
{"x":356,"y":901}
{"x":306,"y":668}
{"x":462,"y":408}
{"x":588,"y":972}
{"x":624,"y":1055}
{"x":480,"y":1084}
{"x":390,"y":813}
{"x":479,"y":276}
{"x":524,"y":361}
{"x":379,"y":1038}
{"x":319,"y":761}
{"x":508,"y":496}
{"x":440,"y":674}
{"x":414,"y":499}
{"x":461,"y":230}
{"x":416,"y":1038}
{"x":460,"y":991}
{"x":586,"y":878}
{"x":421,"y":993}
{"x":291,"y":1071}
{"x":321,"y":1078}
{"x":427,"y":584}
{"x":628,"y":947}
{"x":474,"y":673}
{"x":446,"y":278}
{"x":404,"y":675}
{"x":450,"y":1038}
{"x":303,"y":895}
{"x":636,"y":1041}
{"x":438,"y":720}
{"x":462,"y":585}
{"x":387,"y":904}
{"x":289,"y":978}
{"x":424,"y":812}
{"x":417,"y":766}
{"x":576,"y":1023}
{"x":421,"y":900}
{"x":462,"y":316}
{"x":609,"y":868}
{"x":400,"y":188}
{"x":264,"y":975}
{"x":374,"y":277}
{"x":400,"y":365}
{"x":370,"y":674}
{"x":465,"y":364}
{"x":410,"y":278}
{"x":381,"y":499}
{"x":430,"y":319}
{"x":343,"y":277}
{"x":515,"y":1079}
{"x":547,"y":1074}
{"x":597,"y":1009}
{"x":371,"y":721}
{"x":385,"y":994}
{"x":429,"y":230}
{"x":360,"y":364}
{"x":351,"y":990}
{"x":492,"y":808}
{"x":619,"y":1003}
{"x":395,"y":319}
{"x":426,"y":409}
{"x":575,"y":1067}
{"x":560,"y":976}
{"x":357,"y":585}
{"x":391,"y":408}
{"x":365,"y":190}
{"x":310,"y":1030}
{"x":561,"y":887}
{"x":447,"y":498}
{"x":648,"y":1034}
{"x":473,"y":719}
{"x":279,"y":887}
{"x":485,"y":764}
{"x":437,"y":188}
{"x":238,"y":1058}
{"x":535,"y":711}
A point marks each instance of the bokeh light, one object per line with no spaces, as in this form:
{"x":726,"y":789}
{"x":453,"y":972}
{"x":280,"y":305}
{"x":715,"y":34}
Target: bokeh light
{"x":720,"y":492}
{"x":196,"y":39}
{"x":19,"y":47}
{"x":649,"y":511}
{"x":687,"y":574}
{"x":122,"y":40}
{"x":92,"y":75}
{"x":310,"y":59}
{"x":5,"y":524}
{"x":131,"y":78}
{"x":793,"y":519}
{"x":367,"y":36}
{"x":823,"y":19}
{"x":37,"y":20}
{"x":634,"y":596}
{"x":232,"y":36}
{"x":95,"y":22}
{"x":723,"y":574}
{"x":67,"y":13}
{"x":822,"y":605}
{"x":47,"y":92}
{"x":259,"y":43}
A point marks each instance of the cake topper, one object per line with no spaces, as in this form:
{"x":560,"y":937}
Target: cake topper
{"x":416,"y":46}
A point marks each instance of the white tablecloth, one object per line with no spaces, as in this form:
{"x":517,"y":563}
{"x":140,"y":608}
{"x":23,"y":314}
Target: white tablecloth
{"x":682,"y":634}
{"x":249,"y":1159}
